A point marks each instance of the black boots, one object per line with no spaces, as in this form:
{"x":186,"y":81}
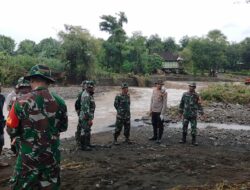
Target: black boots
{"x":183,"y":140}
{"x":153,"y":138}
{"x":85,"y":143}
{"x":194,"y":143}
{"x":115,"y":140}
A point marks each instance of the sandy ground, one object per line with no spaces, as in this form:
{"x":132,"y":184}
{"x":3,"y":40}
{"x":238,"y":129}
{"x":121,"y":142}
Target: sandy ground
{"x":221,"y":161}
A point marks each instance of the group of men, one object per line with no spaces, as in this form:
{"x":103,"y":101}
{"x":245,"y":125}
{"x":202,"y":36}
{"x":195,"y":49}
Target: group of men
{"x":37,"y":117}
{"x":189,"y":107}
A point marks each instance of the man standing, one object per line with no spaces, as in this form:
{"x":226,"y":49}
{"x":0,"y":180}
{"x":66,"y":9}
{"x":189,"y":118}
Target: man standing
{"x":158,"y":108}
{"x":22,"y":87}
{"x":2,"y":124}
{"x":37,"y":118}
{"x":189,"y":106}
{"x":122,"y":106}
{"x":77,"y":109}
{"x":87,"y":115}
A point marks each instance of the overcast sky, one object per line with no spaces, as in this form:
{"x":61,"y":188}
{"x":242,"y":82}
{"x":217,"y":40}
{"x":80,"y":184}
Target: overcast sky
{"x":39,"y":19}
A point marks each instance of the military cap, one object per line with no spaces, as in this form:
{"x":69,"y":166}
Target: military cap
{"x":192,"y":84}
{"x":90,"y":84}
{"x":40,"y":71}
{"x":124,"y":85}
{"x":159,"y":82}
{"x":84,"y":82}
{"x":22,"y":83}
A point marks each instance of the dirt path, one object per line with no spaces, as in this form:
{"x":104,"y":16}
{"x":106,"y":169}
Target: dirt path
{"x":146,"y":165}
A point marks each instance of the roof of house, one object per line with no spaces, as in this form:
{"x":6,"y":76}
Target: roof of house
{"x":168,"y":56}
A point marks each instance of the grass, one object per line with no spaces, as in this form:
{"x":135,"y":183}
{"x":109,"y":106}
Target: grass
{"x":227,"y":93}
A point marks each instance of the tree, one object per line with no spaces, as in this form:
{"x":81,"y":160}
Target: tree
{"x":137,"y":53}
{"x":245,"y":52}
{"x":154,"y":44}
{"x":26,"y":47}
{"x":49,"y":48}
{"x":79,"y":52}
{"x":233,"y":57}
{"x":217,"y":37}
{"x":170,"y":45}
{"x":154,"y":63}
{"x":115,"y":44}
{"x":184,"y":42}
{"x":7,"y":44}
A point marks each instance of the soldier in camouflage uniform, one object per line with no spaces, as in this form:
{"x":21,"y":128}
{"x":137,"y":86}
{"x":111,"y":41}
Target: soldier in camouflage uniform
{"x":86,"y":115}
{"x":189,"y":106}
{"x":38,"y":118}
{"x":77,"y":109}
{"x":22,"y":87}
{"x":122,"y":106}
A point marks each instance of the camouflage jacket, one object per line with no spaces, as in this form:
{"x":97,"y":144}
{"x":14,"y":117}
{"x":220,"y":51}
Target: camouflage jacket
{"x":190,"y":105}
{"x":39,"y":118}
{"x":78,"y":102}
{"x":122,"y":105}
{"x":87,"y":106}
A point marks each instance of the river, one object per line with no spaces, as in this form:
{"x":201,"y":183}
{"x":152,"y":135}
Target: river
{"x":105,"y":112}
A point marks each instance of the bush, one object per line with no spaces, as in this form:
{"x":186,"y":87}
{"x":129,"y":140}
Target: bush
{"x":227,"y":93}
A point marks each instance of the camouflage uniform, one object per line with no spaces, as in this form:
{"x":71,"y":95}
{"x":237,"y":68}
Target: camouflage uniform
{"x":189,"y":107}
{"x":38,"y":118}
{"x":122,"y":106}
{"x":86,"y":116}
{"x":22,"y":87}
{"x":77,"y":109}
{"x":2,"y":121}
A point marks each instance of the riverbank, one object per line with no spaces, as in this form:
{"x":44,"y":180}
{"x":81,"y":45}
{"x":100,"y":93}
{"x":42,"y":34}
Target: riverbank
{"x":221,"y":158}
{"x":219,"y":162}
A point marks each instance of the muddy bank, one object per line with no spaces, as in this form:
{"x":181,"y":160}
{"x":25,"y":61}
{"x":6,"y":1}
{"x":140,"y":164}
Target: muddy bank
{"x":146,"y":165}
{"x":220,"y":113}
{"x":222,"y":157}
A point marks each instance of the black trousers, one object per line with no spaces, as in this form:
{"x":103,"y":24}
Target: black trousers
{"x":157,"y":125}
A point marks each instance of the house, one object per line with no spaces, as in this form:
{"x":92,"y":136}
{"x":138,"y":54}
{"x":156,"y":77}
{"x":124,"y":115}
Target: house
{"x":172,"y":63}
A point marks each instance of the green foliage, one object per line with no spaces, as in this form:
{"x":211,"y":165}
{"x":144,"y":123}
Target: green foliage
{"x":79,"y":50}
{"x":127,"y":67}
{"x":26,"y":47}
{"x":115,"y":45}
{"x":154,"y":44}
{"x":170,"y":45}
{"x":245,"y":52}
{"x":227,"y":93}
{"x":7,"y":44}
{"x":49,"y":48}
{"x":154,"y":63}
{"x":9,"y":72}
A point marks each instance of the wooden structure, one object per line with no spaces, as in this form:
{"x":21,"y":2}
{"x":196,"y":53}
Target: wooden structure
{"x":172,"y":63}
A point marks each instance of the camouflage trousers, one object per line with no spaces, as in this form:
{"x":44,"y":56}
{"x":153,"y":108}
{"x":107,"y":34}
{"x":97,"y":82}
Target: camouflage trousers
{"x":193,"y":122}
{"x":83,"y":133}
{"x":28,"y":177}
{"x":120,"y":122}
{"x":78,"y":135}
